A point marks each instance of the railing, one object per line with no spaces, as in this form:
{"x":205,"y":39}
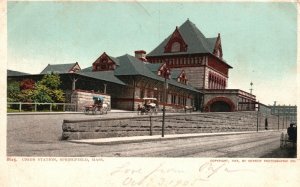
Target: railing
{"x":40,"y":107}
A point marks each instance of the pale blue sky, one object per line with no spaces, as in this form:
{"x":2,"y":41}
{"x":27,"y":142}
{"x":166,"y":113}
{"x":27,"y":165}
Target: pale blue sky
{"x":258,"y":39}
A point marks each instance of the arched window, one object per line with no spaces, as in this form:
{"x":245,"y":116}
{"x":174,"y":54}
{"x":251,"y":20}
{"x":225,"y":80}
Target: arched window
{"x":175,"y":47}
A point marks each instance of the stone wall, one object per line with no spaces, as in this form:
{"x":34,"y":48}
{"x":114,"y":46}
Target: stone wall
{"x":85,"y":98}
{"x":174,"y":124}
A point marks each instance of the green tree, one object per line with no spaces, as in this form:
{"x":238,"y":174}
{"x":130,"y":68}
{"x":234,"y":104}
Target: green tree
{"x":47,"y":90}
{"x":51,"y":81}
{"x":26,"y":95}
{"x":44,"y":91}
{"x":42,"y":94}
{"x":13,"y":91}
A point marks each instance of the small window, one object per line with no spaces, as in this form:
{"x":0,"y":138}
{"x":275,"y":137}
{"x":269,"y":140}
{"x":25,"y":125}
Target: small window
{"x":175,"y":47}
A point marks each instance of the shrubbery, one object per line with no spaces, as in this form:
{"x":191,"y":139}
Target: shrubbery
{"x":43,"y":91}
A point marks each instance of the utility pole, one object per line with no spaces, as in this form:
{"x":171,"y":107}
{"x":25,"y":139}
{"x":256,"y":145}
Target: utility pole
{"x":257,"y":116}
{"x":166,"y":74}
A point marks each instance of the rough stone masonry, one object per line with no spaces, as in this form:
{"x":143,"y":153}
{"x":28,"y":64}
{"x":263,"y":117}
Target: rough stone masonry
{"x":174,"y":124}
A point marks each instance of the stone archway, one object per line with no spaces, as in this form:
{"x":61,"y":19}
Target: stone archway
{"x":220,"y":104}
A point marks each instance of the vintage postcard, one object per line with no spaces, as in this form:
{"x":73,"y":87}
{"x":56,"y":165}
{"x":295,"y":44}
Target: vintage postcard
{"x":149,"y":93}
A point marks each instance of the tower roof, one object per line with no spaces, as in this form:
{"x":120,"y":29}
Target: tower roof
{"x":192,"y":36}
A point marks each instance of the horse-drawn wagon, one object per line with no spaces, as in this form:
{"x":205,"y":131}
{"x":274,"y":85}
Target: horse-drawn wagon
{"x":290,"y":137}
{"x":99,"y":107}
{"x":149,"y":106}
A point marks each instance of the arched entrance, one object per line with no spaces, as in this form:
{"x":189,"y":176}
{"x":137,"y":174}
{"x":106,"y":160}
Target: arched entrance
{"x":220,"y":104}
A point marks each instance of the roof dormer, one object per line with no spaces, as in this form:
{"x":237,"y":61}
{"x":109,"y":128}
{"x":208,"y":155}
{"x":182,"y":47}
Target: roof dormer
{"x":105,"y":63}
{"x":75,"y":68}
{"x":179,"y":75}
{"x":182,"y":78}
{"x":176,"y":43}
{"x":164,"y":71}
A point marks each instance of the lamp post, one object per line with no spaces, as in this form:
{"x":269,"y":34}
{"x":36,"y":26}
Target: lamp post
{"x":257,"y":116}
{"x":251,"y":89}
{"x":278,"y":120}
{"x":165,"y":72}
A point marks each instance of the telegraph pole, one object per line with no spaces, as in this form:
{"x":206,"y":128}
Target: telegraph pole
{"x":166,"y":74}
{"x":257,"y":116}
{"x":164,"y":109}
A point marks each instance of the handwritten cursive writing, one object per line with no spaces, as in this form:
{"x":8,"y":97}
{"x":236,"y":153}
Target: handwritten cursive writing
{"x":209,"y":169}
{"x":161,"y":174}
{"x":138,"y":176}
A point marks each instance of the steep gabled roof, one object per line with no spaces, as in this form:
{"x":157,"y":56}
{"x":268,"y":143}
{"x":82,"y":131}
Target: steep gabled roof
{"x":115,"y":60}
{"x":175,"y":73}
{"x":58,"y":68}
{"x":102,"y":75}
{"x":212,"y":43}
{"x":88,"y":69}
{"x":195,"y":40}
{"x":130,"y":65}
{"x":15,"y":73}
{"x":154,"y":67}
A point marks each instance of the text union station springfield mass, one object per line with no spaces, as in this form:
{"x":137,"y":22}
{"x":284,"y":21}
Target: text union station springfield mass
{"x":193,"y":65}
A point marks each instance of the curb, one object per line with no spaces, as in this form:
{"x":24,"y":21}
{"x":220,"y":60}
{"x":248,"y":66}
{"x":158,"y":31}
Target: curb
{"x":54,"y":113}
{"x":149,"y":139}
{"x":41,"y":113}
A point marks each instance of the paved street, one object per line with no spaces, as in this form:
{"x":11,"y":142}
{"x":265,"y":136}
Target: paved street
{"x":39,"y":135}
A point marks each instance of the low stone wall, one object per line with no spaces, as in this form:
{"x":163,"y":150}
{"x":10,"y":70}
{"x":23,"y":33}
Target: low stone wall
{"x":174,"y":124}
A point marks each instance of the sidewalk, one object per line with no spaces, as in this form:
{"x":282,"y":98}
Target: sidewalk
{"x":111,"y":114}
{"x":137,"y":139}
{"x":55,"y":113}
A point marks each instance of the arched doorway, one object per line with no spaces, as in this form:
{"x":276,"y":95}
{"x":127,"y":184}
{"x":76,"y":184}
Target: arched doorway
{"x":220,"y":104}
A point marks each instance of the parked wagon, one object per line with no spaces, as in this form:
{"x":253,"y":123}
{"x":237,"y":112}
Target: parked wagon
{"x":99,"y":107}
{"x":150,"y":106}
{"x":290,"y":137}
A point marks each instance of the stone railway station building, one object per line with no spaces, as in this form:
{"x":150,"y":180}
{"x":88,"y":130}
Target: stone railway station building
{"x":197,"y":76}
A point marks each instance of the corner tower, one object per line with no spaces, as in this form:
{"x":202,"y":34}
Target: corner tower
{"x":201,"y":58}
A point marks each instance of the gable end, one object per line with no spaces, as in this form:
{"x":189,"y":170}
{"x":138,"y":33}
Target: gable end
{"x":176,"y":43}
{"x":104,"y":63}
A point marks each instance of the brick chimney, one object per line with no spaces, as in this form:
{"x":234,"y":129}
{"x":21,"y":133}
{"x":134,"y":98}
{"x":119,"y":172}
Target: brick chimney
{"x":140,"y":54}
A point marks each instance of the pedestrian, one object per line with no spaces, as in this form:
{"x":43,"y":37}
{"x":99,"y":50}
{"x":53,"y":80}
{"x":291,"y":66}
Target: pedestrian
{"x":266,"y":123}
{"x":292,"y":132}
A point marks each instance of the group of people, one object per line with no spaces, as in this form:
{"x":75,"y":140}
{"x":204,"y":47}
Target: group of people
{"x":292,"y":132}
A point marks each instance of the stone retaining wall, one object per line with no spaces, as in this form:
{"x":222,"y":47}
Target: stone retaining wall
{"x":174,"y":124}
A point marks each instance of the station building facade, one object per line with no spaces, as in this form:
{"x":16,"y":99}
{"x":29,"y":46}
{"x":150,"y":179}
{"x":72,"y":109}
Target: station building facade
{"x":201,"y":58}
{"x":197,"y":75}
